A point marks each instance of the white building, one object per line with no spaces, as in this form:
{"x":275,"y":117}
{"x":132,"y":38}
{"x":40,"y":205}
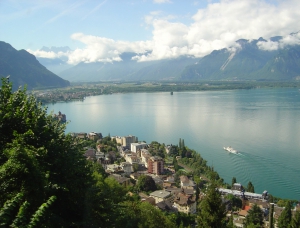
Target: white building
{"x":136,"y":146}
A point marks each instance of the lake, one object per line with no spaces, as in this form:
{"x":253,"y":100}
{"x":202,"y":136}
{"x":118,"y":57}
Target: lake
{"x":262,"y":124}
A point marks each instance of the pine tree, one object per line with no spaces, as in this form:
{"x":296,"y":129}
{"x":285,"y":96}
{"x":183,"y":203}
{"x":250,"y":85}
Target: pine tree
{"x":285,"y":218}
{"x":296,"y":220}
{"x":233,"y":181}
{"x":212,"y":211}
{"x":255,"y":216}
{"x":250,"y":187}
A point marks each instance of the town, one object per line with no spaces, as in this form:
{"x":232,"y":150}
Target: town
{"x":164,"y":176}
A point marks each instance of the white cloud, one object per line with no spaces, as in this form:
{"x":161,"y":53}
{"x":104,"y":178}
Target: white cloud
{"x":161,"y":1}
{"x":215,"y":27}
{"x":49,"y":55}
{"x":100,"y":49}
{"x":269,"y":45}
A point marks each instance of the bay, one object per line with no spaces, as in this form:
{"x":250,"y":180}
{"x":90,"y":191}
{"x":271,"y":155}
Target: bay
{"x":262,"y":124}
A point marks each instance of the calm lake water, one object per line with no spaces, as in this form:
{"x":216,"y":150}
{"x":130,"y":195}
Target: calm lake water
{"x":262,"y":124}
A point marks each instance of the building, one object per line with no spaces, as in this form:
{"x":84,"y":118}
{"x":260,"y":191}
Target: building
{"x":121,"y":180}
{"x":60,"y":117}
{"x":160,"y":195}
{"x":134,"y":147}
{"x":125,"y":140}
{"x":82,"y":135}
{"x":94,"y":136}
{"x":156,"y":165}
{"x":185,"y":182}
{"x":90,"y":153}
{"x":131,"y":158}
{"x":127,"y":167}
{"x":145,"y":155}
{"x":248,"y":195}
{"x":185,"y":203}
{"x":237,"y":186}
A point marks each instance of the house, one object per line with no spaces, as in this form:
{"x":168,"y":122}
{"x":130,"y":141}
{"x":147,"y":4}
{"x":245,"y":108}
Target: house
{"x":261,"y":203}
{"x":149,"y":200}
{"x":237,"y":186}
{"x":131,"y":158}
{"x":185,"y":203}
{"x":99,"y":155}
{"x":60,"y":117}
{"x":94,"y":136}
{"x":160,"y":195}
{"x":167,"y":206}
{"x":121,"y":180}
{"x":113,"y":168}
{"x":90,"y":153}
{"x":185,"y":182}
{"x":82,"y":135}
{"x":127,"y":167}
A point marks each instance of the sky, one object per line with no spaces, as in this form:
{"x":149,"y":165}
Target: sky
{"x":156,"y":29}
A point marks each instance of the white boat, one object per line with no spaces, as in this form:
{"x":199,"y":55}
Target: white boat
{"x":231,"y":150}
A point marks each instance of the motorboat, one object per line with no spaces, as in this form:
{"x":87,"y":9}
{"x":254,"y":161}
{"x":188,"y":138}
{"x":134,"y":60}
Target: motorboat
{"x":231,"y":150}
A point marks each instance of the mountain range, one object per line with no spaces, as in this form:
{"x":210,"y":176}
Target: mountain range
{"x":246,"y":60}
{"x":25,"y":69}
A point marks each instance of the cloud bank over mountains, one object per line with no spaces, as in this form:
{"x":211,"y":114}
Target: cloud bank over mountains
{"x":217,"y":26}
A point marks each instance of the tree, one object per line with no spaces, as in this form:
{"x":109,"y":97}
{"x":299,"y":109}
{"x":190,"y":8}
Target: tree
{"x":285,"y":218}
{"x":142,"y":214}
{"x":230,"y":222}
{"x":135,"y":167}
{"x":212,"y":211}
{"x":39,"y":160}
{"x":233,"y":181}
{"x":235,"y":201}
{"x":296,"y":220}
{"x":255,"y":216}
{"x":250,"y":187}
{"x":145,"y":183}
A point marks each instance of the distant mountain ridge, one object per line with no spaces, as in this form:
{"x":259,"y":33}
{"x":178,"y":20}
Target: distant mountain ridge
{"x":246,"y":60}
{"x":247,"y":63}
{"x":24,"y":69}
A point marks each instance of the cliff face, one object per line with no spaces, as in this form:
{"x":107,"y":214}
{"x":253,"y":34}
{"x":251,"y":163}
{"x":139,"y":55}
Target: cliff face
{"x":24,"y":69}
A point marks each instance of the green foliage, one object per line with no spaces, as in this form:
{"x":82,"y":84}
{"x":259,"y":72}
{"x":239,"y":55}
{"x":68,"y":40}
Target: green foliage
{"x":38,"y":160}
{"x":9,"y":217}
{"x":142,"y":214}
{"x":233,"y":181}
{"x":8,"y":210}
{"x":296,"y":220}
{"x":250,"y":187}
{"x":39,"y":215}
{"x":255,"y":216}
{"x":146,"y":183}
{"x":230,"y":223}
{"x":212,"y":211}
{"x":285,"y":218}
{"x":102,"y":201}
{"x":235,"y":201}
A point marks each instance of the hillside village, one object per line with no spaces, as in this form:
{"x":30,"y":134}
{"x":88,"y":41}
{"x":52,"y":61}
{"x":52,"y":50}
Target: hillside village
{"x":177,"y":187}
